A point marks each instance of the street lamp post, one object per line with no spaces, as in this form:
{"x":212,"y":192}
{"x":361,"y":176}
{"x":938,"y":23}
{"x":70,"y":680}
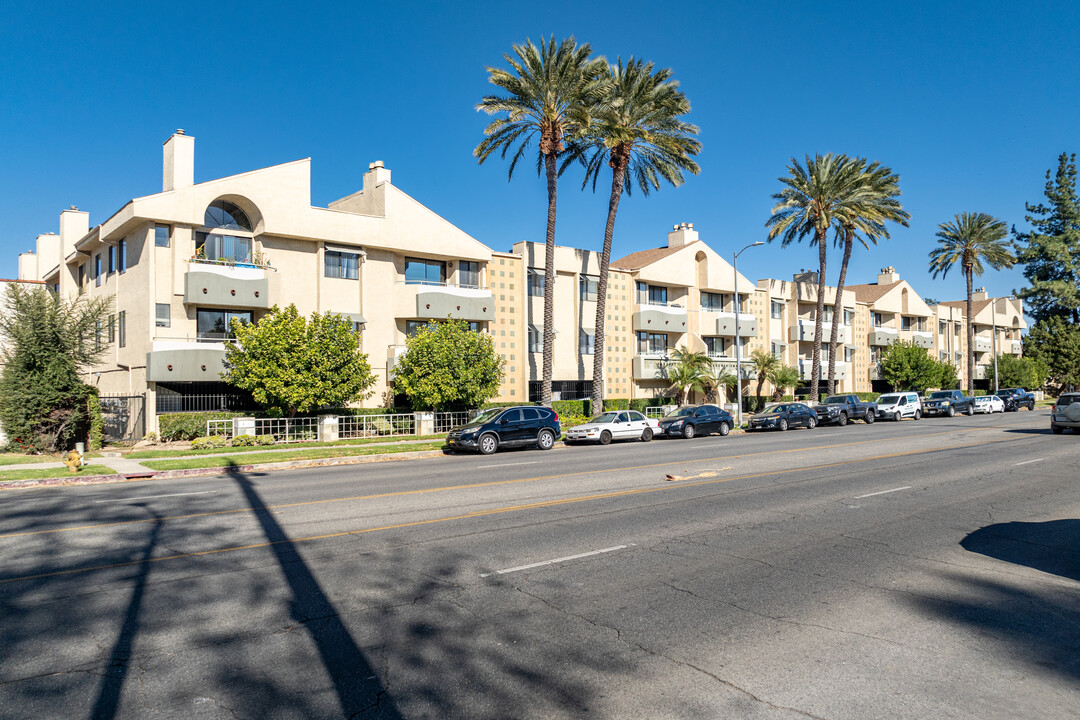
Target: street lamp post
{"x":738,"y":338}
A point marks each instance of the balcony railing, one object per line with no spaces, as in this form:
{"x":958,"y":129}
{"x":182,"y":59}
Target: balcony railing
{"x":264,"y":265}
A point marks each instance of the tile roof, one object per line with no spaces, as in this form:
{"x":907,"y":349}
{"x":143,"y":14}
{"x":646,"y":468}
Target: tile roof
{"x":638,"y":260}
{"x":977,"y":306}
{"x":872,"y":292}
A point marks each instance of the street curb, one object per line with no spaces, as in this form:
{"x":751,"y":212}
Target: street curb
{"x":62,"y":481}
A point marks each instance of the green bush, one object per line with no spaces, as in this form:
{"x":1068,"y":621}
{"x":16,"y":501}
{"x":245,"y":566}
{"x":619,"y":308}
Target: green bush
{"x":570,"y":420}
{"x":641,"y":403}
{"x":367,"y":411}
{"x":209,"y":442}
{"x":571,"y":407}
{"x":244,"y":441}
{"x":188,"y":426}
{"x":97,"y":421}
{"x":151,"y":437}
{"x":265,"y":440}
{"x":617,"y":404}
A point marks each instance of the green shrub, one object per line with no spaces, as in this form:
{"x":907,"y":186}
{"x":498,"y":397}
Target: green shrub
{"x":151,"y":437}
{"x":265,"y":440}
{"x":209,"y":442}
{"x":617,"y":404}
{"x":244,"y":441}
{"x":571,"y":407}
{"x":640,"y":404}
{"x":188,"y":426}
{"x":97,"y":421}
{"x":570,"y":420}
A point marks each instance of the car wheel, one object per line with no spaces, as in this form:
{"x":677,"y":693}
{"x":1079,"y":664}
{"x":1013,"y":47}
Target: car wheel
{"x":646,"y":435}
{"x":724,"y":429}
{"x":951,"y":412}
{"x":918,"y":414}
{"x":782,"y":424}
{"x":1057,"y":430}
{"x":842,"y":420}
{"x":546,"y":440}
{"x":688,"y":431}
{"x":605,"y":438}
{"x":812,"y":423}
{"x":488,"y":444}
{"x":869,"y":417}
{"x":971,"y":410}
{"x":896,"y":416}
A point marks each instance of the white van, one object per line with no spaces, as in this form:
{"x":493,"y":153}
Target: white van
{"x":894,"y":406}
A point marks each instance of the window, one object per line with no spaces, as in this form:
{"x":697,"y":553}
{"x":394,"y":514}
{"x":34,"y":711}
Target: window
{"x":536,"y":283}
{"x":652,"y":343}
{"x":112,"y":259}
{"x":657,"y":295}
{"x":777,"y":310}
{"x":228,"y":248}
{"x":777,"y":350}
{"x":849,"y":354}
{"x":215,"y":324}
{"x":740,"y":300}
{"x":97,"y":335}
{"x":587,"y":288}
{"x":343,"y":265}
{"x":712,"y":302}
{"x":642,"y":293}
{"x":424,"y":272}
{"x":414,"y":326}
{"x":536,"y":340}
{"x":121,"y":256}
{"x":469,"y":274}
{"x":828,"y":316}
{"x":905,"y":323}
{"x":161,"y":312}
{"x":97,"y":270}
{"x":849,"y":317}
{"x":82,"y":276}
{"x":587,"y":342}
{"x":956,"y":330}
{"x":161,"y":235}
{"x":227,"y":216}
{"x":876,"y":319}
{"x":716,"y":346}
{"x":112,"y":328}
{"x":121,"y":321}
{"x":942,"y":328}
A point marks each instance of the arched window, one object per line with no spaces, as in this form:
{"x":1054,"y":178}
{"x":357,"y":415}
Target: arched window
{"x":227,"y":216}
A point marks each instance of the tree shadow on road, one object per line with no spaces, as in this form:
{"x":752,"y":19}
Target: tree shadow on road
{"x":1052,"y":547}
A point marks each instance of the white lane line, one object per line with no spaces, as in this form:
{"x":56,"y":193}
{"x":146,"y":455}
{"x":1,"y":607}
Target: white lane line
{"x":882,"y":492}
{"x":1029,"y":461}
{"x":531,"y":462}
{"x":556,"y":560}
{"x":151,"y":497}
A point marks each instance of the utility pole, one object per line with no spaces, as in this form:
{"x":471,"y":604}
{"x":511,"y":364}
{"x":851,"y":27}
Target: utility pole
{"x":738,"y":340}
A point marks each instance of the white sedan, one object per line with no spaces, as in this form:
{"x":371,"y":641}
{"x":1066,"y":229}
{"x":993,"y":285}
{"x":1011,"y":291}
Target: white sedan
{"x":989,"y":404}
{"x":615,"y":425}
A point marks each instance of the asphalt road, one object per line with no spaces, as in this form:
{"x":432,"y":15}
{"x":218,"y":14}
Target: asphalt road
{"x":924,"y":569}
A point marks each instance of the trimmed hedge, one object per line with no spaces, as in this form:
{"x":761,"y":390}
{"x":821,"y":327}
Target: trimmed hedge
{"x":188,"y":426}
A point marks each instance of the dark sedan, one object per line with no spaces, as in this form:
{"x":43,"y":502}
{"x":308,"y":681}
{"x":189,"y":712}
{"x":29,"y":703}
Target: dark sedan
{"x":784,"y":416}
{"x":692,"y":420}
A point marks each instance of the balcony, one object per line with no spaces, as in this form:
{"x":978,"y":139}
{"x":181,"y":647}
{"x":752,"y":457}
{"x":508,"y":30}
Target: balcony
{"x":650,"y":368}
{"x":922,"y":339}
{"x":660,"y":318}
{"x":217,"y":284}
{"x":182,"y":360}
{"x":981,"y":372}
{"x":803,"y":331}
{"x":883,"y":337}
{"x":1016,"y":347}
{"x":875,"y":372}
{"x":725,"y":324}
{"x":983,"y":344}
{"x":438,"y":302}
{"x":806,"y":368}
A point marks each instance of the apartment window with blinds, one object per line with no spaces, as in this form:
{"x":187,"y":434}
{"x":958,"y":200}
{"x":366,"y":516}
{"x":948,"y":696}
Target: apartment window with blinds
{"x":162,"y":235}
{"x":469,"y":274}
{"x":657,"y":295}
{"x":121,"y":259}
{"x":97,"y":270}
{"x":777,"y":350}
{"x":716,"y":346}
{"x":344,"y":265}
{"x":712,"y":302}
{"x":536,"y":283}
{"x":849,"y":354}
{"x":849,"y":317}
{"x":777,"y":311}
{"x":587,"y":341}
{"x":424,"y":272}
{"x":905,"y":322}
{"x":112,"y":259}
{"x":121,"y":322}
{"x":651,"y":343}
{"x":587,"y":288}
{"x":536,"y":340}
{"x":161,"y":315}
{"x":876,"y":319}
{"x":112,"y":328}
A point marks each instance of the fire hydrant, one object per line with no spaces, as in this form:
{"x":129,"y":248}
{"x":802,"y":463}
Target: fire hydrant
{"x":73,"y":461}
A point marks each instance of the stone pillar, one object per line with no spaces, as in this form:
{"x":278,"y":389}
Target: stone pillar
{"x":424,"y":423}
{"x":243,"y":426}
{"x":328,"y":428}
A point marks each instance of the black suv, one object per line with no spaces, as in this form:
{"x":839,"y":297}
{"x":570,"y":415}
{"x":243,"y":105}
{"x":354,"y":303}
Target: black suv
{"x":510,"y":427}
{"x":692,"y":420}
{"x":1020,"y":398}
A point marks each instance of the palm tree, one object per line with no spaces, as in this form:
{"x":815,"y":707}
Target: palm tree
{"x":809,"y":205}
{"x":764,"y":363}
{"x":715,"y":378}
{"x":636,"y":127}
{"x":969,"y":239}
{"x":783,"y":377}
{"x":862,"y":215}
{"x":546,"y":97}
{"x":687,"y":372}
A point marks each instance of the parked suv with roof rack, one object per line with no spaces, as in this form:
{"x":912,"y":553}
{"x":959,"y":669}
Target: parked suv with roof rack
{"x":507,"y":427}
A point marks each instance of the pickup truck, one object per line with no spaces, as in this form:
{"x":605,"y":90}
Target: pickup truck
{"x":948,"y":402}
{"x":839,"y":409}
{"x":1020,"y":398}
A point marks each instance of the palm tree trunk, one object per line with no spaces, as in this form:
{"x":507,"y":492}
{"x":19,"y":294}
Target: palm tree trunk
{"x":816,"y":371}
{"x":838,"y":310}
{"x":549,"y":279}
{"x":971,"y":338}
{"x":760,"y":384}
{"x":618,"y":173}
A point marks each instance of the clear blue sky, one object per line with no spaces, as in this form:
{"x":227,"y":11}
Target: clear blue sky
{"x":969,"y":102}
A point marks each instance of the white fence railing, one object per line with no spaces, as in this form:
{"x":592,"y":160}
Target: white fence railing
{"x":654,"y":412}
{"x":219,"y":427}
{"x":283,"y":429}
{"x":447,"y":421}
{"x":361,"y":426}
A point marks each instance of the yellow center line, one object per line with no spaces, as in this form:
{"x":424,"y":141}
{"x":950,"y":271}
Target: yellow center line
{"x":499,"y":510}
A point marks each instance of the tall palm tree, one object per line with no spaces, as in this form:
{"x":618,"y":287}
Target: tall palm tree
{"x":862,"y":215}
{"x":546,"y":95}
{"x":713,"y":379}
{"x":969,"y":239}
{"x":764,"y":363}
{"x":783,"y":377}
{"x":809,"y":205}
{"x":687,"y":372}
{"x":637,"y":128}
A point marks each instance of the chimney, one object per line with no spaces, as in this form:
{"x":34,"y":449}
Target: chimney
{"x":979,"y":293}
{"x":48,"y":253}
{"x":179,"y":166}
{"x":74,"y":224}
{"x":377,"y":174}
{"x":888,"y":276}
{"x":28,"y":266}
{"x":681,"y":234}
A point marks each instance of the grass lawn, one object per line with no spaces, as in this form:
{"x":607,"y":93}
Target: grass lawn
{"x":6,"y":475}
{"x":283,"y":447}
{"x":286,"y":455}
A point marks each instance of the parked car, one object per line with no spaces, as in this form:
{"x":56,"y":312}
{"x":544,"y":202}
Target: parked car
{"x":949,"y":402}
{"x":839,"y":409}
{"x":896,"y":406}
{"x":614,"y":425}
{"x":1066,"y":413}
{"x":507,"y":427}
{"x":1020,"y":396}
{"x":784,"y":416}
{"x":989,"y":404}
{"x":1009,"y":400}
{"x":691,"y":420}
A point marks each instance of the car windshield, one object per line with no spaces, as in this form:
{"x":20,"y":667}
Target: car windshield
{"x":940,"y":394}
{"x":1003,"y":393}
{"x":486,"y":416}
{"x":608,"y":417}
{"x":888,"y":399}
{"x":776,"y":410}
{"x":683,"y":412}
{"x":836,"y":399}
{"x":982,"y":399}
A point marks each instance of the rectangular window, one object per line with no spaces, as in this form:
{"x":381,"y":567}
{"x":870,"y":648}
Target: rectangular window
{"x":777,"y":350}
{"x":343,"y":265}
{"x":82,"y":276}
{"x":536,"y":283}
{"x":97,"y":335}
{"x":97,"y":270}
{"x":956,"y":330}
{"x":112,"y":259}
{"x":652,"y":343}
{"x":849,"y":317}
{"x":215,"y":324}
{"x":161,"y":235}
{"x":717,"y":346}
{"x":121,"y":259}
{"x":828,"y":316}
{"x":740,"y":301}
{"x":777,"y":310}
{"x":876,"y":319}
{"x":905,"y":322}
{"x":942,"y":327}
{"x":642,"y":293}
{"x":112,"y":328}
{"x":424,"y":272}
{"x":161,"y":311}
{"x":712,"y":302}
{"x":223,"y":248}
{"x":469,"y":274}
{"x":849,"y":354}
{"x":587,"y":288}
{"x":536,"y":340}
{"x":657,"y":295}
{"x":121,"y":321}
{"x":587,"y":342}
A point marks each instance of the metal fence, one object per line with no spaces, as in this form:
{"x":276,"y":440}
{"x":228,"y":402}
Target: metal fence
{"x":654,"y":412}
{"x":361,"y":426}
{"x":283,"y":429}
{"x":219,"y":427}
{"x":123,"y":417}
{"x":447,"y":421}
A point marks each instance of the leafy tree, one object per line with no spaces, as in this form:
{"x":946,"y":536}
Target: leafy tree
{"x":547,"y":97}
{"x":50,"y":341}
{"x":1024,"y":372}
{"x":865,"y":207}
{"x":931,"y":301}
{"x":948,"y":375}
{"x":291,"y":364}
{"x":448,"y":365}
{"x":906,"y":366}
{"x":1056,"y":343}
{"x":1050,"y":253}
{"x":782,"y":378}
{"x":811,"y":203}
{"x":764,"y":363}
{"x":968,"y":240}
{"x":687,"y":372}
{"x":637,"y":130}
